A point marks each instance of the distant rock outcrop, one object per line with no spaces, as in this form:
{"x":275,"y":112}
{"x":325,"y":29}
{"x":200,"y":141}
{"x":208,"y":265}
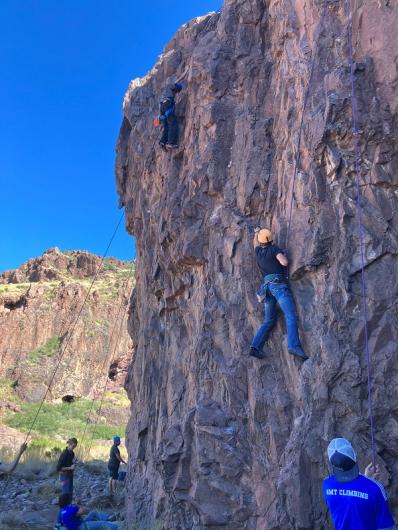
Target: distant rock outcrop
{"x":218,"y":440}
{"x":39,"y":302}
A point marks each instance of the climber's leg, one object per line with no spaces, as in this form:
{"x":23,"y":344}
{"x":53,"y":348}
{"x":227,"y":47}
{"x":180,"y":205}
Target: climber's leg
{"x":285,"y":300}
{"x":165,"y":133}
{"x":172,"y":140}
{"x":265,"y":328}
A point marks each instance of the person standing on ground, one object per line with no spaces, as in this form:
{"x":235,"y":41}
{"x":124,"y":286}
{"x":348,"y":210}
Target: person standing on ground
{"x":72,"y":517}
{"x":66,"y":467}
{"x":6,"y":469}
{"x":114,"y":462}
{"x":355,"y":502}
{"x":274,"y":290}
{"x":167,"y":117}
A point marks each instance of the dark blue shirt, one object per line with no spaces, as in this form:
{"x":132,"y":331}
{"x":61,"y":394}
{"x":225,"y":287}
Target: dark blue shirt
{"x":114,"y":457}
{"x":357,"y":505}
{"x":266,"y":260}
{"x":69,"y":517}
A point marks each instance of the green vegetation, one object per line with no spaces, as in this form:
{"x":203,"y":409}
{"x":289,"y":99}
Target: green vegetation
{"x":120,"y":399}
{"x":13,"y":288}
{"x":49,"y":349}
{"x":7,"y":392}
{"x":62,"y":420}
{"x":108,"y":266}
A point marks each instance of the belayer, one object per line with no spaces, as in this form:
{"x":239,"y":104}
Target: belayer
{"x":274,"y":290}
{"x":355,"y":502}
{"x":115,"y":459}
{"x":167,"y":117}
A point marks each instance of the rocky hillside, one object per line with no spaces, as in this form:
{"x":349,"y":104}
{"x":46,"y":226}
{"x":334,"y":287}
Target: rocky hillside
{"x":39,"y":303}
{"x":217,"y":439}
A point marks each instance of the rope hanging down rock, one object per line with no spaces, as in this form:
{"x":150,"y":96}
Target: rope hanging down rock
{"x":107,"y":360}
{"x":358,"y":178}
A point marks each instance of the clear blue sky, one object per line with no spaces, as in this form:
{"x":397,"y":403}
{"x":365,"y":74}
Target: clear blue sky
{"x":65,"y":65}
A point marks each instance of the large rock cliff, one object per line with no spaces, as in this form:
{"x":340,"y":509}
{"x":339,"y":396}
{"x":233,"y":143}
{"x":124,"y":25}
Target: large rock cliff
{"x":217,"y":439}
{"x":39,"y":304}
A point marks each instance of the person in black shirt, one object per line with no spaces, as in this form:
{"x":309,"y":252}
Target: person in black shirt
{"x":113,"y":464}
{"x":274,"y":289}
{"x":66,"y":467}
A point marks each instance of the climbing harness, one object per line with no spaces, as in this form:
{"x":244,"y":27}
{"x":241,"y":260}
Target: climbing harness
{"x":358,"y":176}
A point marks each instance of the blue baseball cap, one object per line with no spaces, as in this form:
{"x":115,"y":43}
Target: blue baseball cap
{"x":116,"y":439}
{"x":343,"y":460}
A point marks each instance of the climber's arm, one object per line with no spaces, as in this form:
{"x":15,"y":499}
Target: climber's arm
{"x":282,"y":259}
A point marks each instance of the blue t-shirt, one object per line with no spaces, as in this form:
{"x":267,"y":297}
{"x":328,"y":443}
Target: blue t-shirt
{"x":69,"y":517}
{"x":357,"y":505}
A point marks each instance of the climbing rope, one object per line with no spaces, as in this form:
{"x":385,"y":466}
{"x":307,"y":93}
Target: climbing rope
{"x":106,"y":382}
{"x":69,"y":335}
{"x":306,"y":97}
{"x":358,"y":178}
{"x":74,"y":324}
{"x":108,"y":359}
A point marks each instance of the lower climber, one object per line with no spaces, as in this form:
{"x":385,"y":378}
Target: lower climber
{"x":167,"y":117}
{"x":274,"y":290}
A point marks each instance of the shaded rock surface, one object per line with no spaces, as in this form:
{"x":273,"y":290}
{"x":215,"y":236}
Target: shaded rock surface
{"x":218,"y":440}
{"x":39,"y":304}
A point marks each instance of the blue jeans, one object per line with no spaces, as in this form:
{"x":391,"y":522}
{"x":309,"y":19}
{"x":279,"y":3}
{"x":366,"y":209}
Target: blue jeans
{"x":66,"y":480}
{"x":278,"y":293}
{"x":97,"y":521}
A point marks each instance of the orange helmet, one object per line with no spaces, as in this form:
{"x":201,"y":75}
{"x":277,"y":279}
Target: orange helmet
{"x":264,"y":236}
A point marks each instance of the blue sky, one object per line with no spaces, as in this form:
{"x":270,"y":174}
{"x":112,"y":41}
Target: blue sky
{"x":65,"y":65}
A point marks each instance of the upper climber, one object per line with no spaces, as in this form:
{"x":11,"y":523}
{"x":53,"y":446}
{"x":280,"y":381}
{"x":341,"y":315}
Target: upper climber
{"x":355,"y":501}
{"x":274,"y":289}
{"x":167,"y":117}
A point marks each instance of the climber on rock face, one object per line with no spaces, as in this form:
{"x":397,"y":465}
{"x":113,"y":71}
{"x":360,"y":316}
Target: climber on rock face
{"x":167,"y":117}
{"x":355,"y":502}
{"x":274,"y":289}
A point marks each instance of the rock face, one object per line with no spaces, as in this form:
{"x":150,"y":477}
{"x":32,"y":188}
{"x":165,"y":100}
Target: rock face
{"x":39,"y":303}
{"x":217,"y":439}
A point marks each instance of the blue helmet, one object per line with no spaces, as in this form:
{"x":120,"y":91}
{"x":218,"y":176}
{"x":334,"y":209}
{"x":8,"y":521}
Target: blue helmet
{"x":116,"y":439}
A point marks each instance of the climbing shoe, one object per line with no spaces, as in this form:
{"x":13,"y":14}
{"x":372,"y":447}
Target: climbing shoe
{"x":298,"y":352}
{"x":254,"y":352}
{"x":171,"y":146}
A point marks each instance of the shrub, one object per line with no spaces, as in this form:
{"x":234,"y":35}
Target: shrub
{"x":50,"y":348}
